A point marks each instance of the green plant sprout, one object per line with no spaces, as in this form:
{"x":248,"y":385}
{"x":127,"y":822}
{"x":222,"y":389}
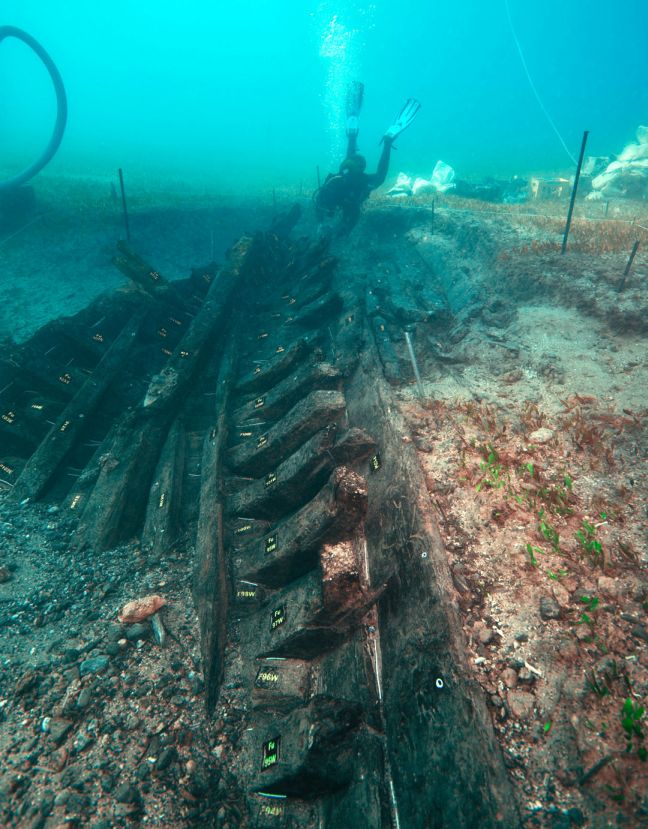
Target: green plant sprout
{"x":591,"y":604}
{"x":595,"y":685}
{"x":557,"y":576}
{"x":531,"y":550}
{"x":492,"y":467}
{"x":548,"y":532}
{"x":588,"y":541}
{"x":631,"y":715}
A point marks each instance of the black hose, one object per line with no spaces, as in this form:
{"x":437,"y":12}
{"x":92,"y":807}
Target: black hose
{"x":61,"y":109}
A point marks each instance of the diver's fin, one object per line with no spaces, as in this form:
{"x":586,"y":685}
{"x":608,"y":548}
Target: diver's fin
{"x":355,"y":93}
{"x":407,"y":114}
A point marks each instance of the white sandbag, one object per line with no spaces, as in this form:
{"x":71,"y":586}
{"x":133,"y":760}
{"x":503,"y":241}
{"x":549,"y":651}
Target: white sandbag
{"x":442,"y":177}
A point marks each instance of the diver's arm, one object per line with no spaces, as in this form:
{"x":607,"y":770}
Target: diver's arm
{"x":377,"y":178}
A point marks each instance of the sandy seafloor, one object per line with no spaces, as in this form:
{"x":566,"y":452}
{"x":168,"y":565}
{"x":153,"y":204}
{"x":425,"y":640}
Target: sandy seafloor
{"x":553,"y":345}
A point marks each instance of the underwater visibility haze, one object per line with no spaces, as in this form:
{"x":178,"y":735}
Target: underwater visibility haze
{"x":323,"y":406}
{"x":250,"y":94}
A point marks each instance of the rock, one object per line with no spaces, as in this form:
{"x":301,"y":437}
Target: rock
{"x":485,"y":636}
{"x":549,"y":608}
{"x":140,"y":609}
{"x":58,"y":729}
{"x":609,"y":587}
{"x":168,"y":756}
{"x":127,"y":794}
{"x":522,"y":636}
{"x":526,"y":676}
{"x":561,"y":595}
{"x":509,"y":677}
{"x":158,"y":629}
{"x":542,"y":435}
{"x":521,"y":704}
{"x":137,"y":631}
{"x":94,"y":665}
{"x":112,"y":649}
{"x":640,"y":632}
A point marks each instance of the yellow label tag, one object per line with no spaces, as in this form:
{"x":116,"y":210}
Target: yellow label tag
{"x":262,"y":440}
{"x":37,"y":406}
{"x":257,"y":369}
{"x":184,"y":354}
{"x":9,"y":417}
{"x":271,"y":544}
{"x":75,"y":502}
{"x":166,"y":351}
{"x":174,"y":321}
{"x":271,"y":478}
{"x":162,"y":332}
{"x":6,"y":469}
{"x":244,"y":529}
{"x":65,"y":378}
{"x":154,"y":275}
{"x":162,"y":500}
{"x":64,"y":426}
{"x":259,"y":402}
{"x":279,"y":349}
{"x":98,"y":337}
{"x":262,"y":335}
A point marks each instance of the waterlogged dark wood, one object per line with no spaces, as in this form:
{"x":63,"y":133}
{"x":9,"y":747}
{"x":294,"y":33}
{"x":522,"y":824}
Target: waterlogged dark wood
{"x":280,"y":685}
{"x":294,"y":482}
{"x":259,"y":377}
{"x":386,"y":352}
{"x":206,"y":325}
{"x":145,"y":276}
{"x":318,"y":409}
{"x":210,"y":583}
{"x":333,"y":514}
{"x":160,"y":525}
{"x":429,"y":727}
{"x":62,"y":436}
{"x":319,"y":311}
{"x":114,"y":509}
{"x":282,"y":397}
{"x":317,"y":749}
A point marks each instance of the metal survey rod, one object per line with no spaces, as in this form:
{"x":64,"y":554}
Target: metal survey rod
{"x":574,"y":189}
{"x":626,"y":272}
{"x":410,"y":348}
{"x":123,"y":195}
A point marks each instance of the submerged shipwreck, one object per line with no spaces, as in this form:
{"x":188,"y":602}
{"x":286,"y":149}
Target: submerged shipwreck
{"x":243,"y":415}
{"x":248,"y":421}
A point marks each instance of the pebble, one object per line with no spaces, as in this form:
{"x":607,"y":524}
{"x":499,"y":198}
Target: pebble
{"x":94,"y":665}
{"x":542,"y":435}
{"x":137,"y":631}
{"x":58,"y":729}
{"x":608,"y":587}
{"x":485,"y":636}
{"x":5,"y":574}
{"x":126,"y":794}
{"x":522,"y":636}
{"x":521,"y":704}
{"x":168,"y":756}
{"x":549,"y":608}
{"x":526,"y":676}
{"x":509,"y":677}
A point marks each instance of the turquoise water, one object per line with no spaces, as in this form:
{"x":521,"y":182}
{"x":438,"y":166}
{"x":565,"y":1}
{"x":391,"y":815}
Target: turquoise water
{"x":250,"y":94}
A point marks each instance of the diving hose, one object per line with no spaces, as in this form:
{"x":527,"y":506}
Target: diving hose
{"x":61,"y":109}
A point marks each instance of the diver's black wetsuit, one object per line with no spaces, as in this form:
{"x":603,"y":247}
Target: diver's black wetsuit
{"x":347,"y":190}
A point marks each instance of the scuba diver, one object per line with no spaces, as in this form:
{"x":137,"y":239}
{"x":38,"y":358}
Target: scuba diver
{"x":345,"y":192}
